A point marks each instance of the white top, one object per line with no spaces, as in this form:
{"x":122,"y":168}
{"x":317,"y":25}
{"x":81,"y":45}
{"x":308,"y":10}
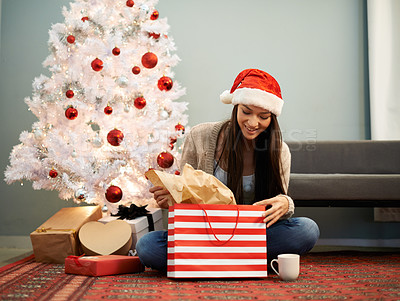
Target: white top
{"x":248,"y":184}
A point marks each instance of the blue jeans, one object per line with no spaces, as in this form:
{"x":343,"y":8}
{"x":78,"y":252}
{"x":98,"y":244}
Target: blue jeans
{"x":296,"y":235}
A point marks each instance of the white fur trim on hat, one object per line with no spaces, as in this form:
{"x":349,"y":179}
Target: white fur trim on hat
{"x":226,"y":97}
{"x":257,"y":97}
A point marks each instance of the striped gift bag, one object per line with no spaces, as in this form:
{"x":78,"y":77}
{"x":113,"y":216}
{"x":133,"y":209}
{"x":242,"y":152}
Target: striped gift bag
{"x":206,"y":241}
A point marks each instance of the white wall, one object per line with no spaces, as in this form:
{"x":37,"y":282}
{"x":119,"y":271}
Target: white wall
{"x":315,"y":49}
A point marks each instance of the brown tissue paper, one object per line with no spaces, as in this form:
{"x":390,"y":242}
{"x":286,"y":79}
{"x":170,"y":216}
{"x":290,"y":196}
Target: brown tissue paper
{"x":193,"y":186}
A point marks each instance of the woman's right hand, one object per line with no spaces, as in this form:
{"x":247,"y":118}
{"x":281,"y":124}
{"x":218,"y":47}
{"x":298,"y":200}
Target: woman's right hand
{"x":161,"y":196}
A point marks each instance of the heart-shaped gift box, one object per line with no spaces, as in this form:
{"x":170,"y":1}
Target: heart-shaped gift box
{"x":105,"y":239}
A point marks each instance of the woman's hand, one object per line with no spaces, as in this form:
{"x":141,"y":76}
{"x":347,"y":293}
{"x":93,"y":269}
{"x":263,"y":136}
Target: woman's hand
{"x":161,"y":195}
{"x":276,"y":207}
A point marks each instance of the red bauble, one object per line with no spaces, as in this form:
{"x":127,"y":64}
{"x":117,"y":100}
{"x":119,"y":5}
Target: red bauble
{"x":113,"y":194}
{"x":130,"y":3}
{"x":165,"y":160}
{"x":177,"y":172}
{"x":108,"y":110}
{"x":53,"y":173}
{"x":71,"y":113}
{"x":69,"y":94}
{"x":165,"y":83}
{"x":71,"y":39}
{"x":97,"y":64}
{"x":116,"y":51}
{"x":136,"y":70}
{"x":154,"y":35}
{"x":180,"y":127}
{"x":154,"y":15}
{"x":140,"y":103}
{"x":149,"y":60}
{"x":115,"y":137}
{"x":85,"y":19}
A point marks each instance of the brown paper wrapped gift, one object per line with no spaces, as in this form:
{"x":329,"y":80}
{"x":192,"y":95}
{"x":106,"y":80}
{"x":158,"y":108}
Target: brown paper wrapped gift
{"x":57,"y":238}
{"x":193,"y":186}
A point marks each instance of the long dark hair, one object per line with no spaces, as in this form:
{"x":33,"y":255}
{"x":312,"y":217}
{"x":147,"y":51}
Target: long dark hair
{"x":267,"y":159}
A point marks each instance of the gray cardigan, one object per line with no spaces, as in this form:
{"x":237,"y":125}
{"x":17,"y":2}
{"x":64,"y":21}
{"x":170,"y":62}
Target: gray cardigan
{"x":199,"y":151}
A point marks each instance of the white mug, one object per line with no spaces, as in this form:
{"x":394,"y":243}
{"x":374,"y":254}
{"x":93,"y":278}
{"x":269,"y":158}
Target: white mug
{"x":288,"y":266}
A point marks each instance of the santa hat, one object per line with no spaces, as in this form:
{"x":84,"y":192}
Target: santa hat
{"x":255,"y":87}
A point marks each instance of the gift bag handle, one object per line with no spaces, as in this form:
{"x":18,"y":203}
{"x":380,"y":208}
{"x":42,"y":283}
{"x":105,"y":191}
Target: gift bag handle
{"x":212,"y":230}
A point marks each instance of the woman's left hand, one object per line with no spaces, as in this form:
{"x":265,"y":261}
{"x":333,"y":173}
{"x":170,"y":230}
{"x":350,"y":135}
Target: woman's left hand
{"x":276,"y":207}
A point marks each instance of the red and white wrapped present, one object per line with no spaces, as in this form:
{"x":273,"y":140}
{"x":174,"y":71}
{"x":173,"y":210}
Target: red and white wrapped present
{"x":213,"y":241}
{"x":102,"y":265}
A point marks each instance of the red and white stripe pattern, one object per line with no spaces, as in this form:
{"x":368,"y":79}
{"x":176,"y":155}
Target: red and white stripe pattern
{"x":234,"y":246}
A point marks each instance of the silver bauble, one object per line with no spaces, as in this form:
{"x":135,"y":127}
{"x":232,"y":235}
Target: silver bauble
{"x":39,"y":87}
{"x":164,"y":114}
{"x":151,"y":138}
{"x":38,"y":133}
{"x":56,"y":68}
{"x":144,"y":9}
{"x":80,"y":195}
{"x":97,"y":141}
{"x":122,"y":81}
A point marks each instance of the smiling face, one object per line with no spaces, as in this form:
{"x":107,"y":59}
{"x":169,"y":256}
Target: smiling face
{"x":252,"y":120}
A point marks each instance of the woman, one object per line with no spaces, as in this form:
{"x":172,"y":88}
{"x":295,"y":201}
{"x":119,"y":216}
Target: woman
{"x":248,"y":155}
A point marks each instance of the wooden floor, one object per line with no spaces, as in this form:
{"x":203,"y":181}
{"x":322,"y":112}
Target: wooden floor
{"x":10,"y":255}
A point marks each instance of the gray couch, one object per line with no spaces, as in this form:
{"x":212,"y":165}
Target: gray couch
{"x":345,"y":173}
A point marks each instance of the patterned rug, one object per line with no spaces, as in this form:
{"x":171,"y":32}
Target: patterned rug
{"x":328,"y":275}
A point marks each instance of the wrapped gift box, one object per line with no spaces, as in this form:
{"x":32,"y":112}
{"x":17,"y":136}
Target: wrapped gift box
{"x":57,"y":238}
{"x":102,"y":265}
{"x":113,"y":238}
{"x":140,"y":225}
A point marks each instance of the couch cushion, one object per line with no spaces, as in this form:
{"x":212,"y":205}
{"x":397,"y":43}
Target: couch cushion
{"x":344,"y":187}
{"x":347,"y":157}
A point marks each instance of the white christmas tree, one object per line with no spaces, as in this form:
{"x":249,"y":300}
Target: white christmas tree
{"x":107,"y":113}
